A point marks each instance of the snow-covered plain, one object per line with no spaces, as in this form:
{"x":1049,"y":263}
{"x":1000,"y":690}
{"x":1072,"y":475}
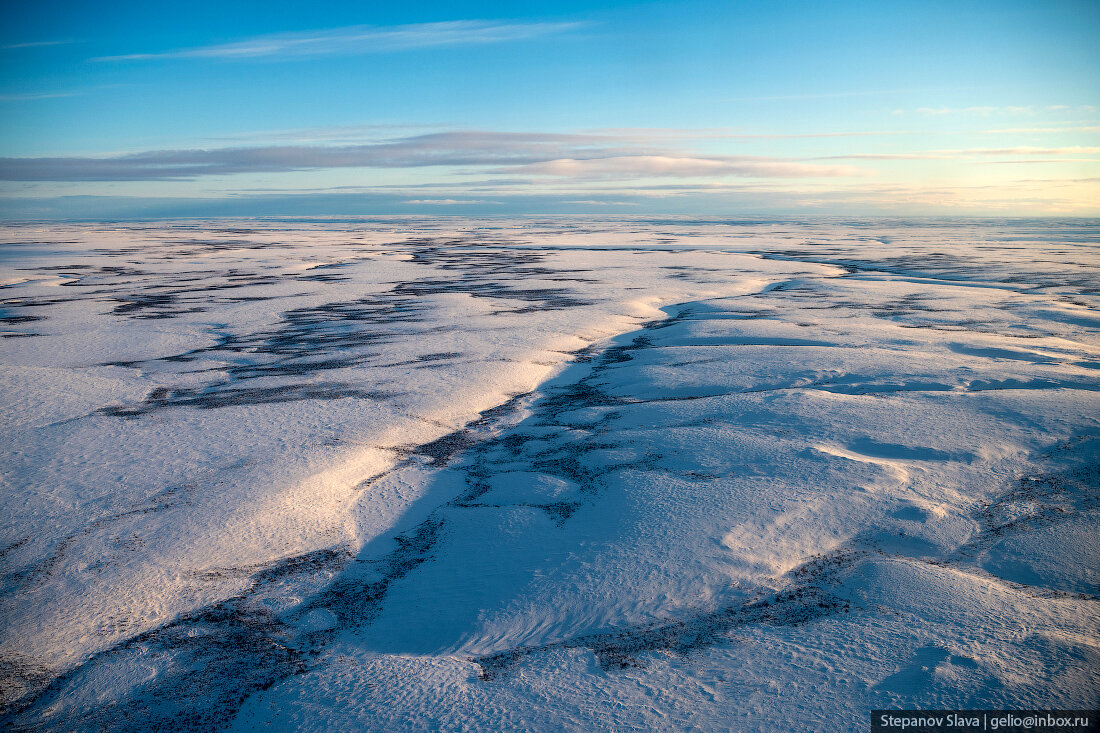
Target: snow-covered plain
{"x":446,"y":474}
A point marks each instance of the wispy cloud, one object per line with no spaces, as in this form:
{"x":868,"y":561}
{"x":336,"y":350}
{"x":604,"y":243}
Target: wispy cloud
{"x":846,"y":94}
{"x":1039,"y":130}
{"x":635,"y":166}
{"x":1072,"y":150}
{"x":725,"y":133}
{"x":986,"y":111}
{"x":446,"y":202}
{"x":477,"y":165}
{"x":472,"y":148}
{"x":32,"y":44}
{"x":964,"y":153}
{"x":31,"y":96}
{"x":331,"y":133}
{"x":504,"y":155}
{"x":362,"y":39}
{"x":1028,"y":161}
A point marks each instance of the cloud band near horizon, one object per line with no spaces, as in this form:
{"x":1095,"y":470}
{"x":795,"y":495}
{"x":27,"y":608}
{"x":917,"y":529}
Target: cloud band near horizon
{"x":361,"y":39}
{"x":541,"y":154}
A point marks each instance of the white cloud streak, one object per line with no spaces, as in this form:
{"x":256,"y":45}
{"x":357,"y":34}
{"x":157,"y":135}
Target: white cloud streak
{"x":986,"y":111}
{"x":1039,"y":130}
{"x":644,"y":166}
{"x":446,"y":202}
{"x":564,"y":156}
{"x":362,"y":39}
{"x":652,"y":133}
{"x":965,"y":153}
{"x":842,"y":95}
{"x":32,"y":44}
{"x":472,"y":148}
{"x":32,"y":96}
{"x":594,"y":202}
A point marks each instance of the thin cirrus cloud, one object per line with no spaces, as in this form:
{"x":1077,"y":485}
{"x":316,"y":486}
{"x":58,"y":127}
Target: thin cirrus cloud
{"x":32,"y":96}
{"x":360,"y":39}
{"x":471,"y":148}
{"x":329,"y":134}
{"x":633,"y":135}
{"x":447,"y":202}
{"x":531,"y":154}
{"x":35,"y":96}
{"x":715,"y":133}
{"x":32,"y":44}
{"x":986,"y":111}
{"x":645,"y":166}
{"x":1040,"y":130}
{"x":965,"y":153}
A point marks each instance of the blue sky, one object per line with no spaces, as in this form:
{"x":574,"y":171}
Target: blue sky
{"x":497,"y":108}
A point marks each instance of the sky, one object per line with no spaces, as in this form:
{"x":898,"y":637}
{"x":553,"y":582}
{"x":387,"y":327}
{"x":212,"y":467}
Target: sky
{"x":612,"y":108}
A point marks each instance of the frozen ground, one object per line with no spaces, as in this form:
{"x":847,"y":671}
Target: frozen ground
{"x":546,"y":475}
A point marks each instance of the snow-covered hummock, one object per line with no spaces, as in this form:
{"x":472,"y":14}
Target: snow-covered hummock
{"x":519,"y":474}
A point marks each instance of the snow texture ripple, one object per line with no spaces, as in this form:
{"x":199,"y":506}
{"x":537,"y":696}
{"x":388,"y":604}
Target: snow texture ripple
{"x":397,"y":474}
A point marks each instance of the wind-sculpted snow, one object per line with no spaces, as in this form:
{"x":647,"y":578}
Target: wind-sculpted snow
{"x":541,"y":475}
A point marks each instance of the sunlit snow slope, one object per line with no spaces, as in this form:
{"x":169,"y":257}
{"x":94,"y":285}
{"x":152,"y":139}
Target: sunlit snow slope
{"x":547,"y":475}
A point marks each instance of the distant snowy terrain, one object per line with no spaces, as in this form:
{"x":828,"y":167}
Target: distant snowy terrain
{"x":405,"y":474}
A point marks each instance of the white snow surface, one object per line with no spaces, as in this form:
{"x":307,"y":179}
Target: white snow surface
{"x":532,"y":474}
